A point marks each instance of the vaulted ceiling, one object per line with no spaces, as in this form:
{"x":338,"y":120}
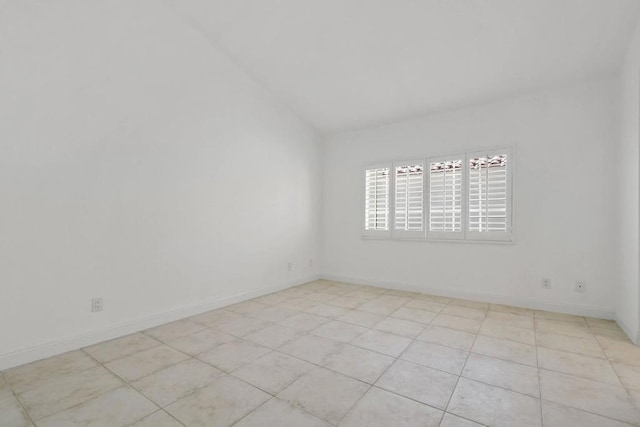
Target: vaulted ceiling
{"x":346,"y":64}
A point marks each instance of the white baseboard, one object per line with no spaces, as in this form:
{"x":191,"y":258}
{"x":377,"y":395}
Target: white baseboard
{"x":63,"y":345}
{"x":579,"y":310}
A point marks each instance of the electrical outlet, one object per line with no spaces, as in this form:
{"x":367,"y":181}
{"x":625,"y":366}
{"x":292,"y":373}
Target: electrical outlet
{"x":289,"y":266}
{"x":581,"y":286}
{"x":546,"y":283}
{"x":96,"y":304}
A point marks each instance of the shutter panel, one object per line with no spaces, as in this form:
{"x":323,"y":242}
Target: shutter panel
{"x":489,"y":196}
{"x":409,"y":199}
{"x":445,"y":198}
{"x":376,"y":212}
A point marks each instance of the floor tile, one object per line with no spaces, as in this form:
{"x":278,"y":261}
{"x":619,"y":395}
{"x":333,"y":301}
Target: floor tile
{"x":99,"y":412}
{"x":381,"y":408}
{"x":221,"y":403}
{"x":273,"y":372}
{"x":436,"y":356}
{"x":469,"y":303}
{"x":469,"y":313}
{"x":326,"y":310}
{"x":157,"y":419}
{"x":312,"y":348}
{"x":577,"y":365}
{"x":215,"y":317}
{"x":571,"y":329}
{"x":382,"y":342}
{"x":340,"y":331}
{"x":356,"y":362}
{"x":618,"y":351}
{"x":431,"y":306}
{"x":304,"y":321}
{"x":554,"y":415}
{"x":500,"y":373}
{"x":28,"y":376}
{"x":611,"y":333}
{"x":173,"y":330}
{"x":247,"y":307}
{"x":324,"y":394}
{"x":64,"y":392}
{"x":298,"y":304}
{"x":505,"y":349}
{"x":511,"y":309}
{"x":274,"y":314}
{"x":5,"y":390}
{"x":510,"y":319}
{"x":170,"y":384}
{"x":405,"y":328}
{"x":628,"y":374}
{"x":361,"y":318}
{"x":592,"y":396}
{"x":449,"y":337}
{"x":494,"y":406}
{"x":414,"y":314}
{"x":549,"y":315}
{"x":232,"y":355}
{"x":457,"y":322}
{"x":450,"y":420}
{"x":602,"y":323}
{"x":12,"y":414}
{"x":278,"y":413}
{"x":382,"y":307}
{"x":242,"y":326}
{"x":120,"y":347}
{"x":320,"y":297}
{"x":500,"y":330}
{"x":200,"y":341}
{"x":146,"y":362}
{"x":347,"y":302}
{"x":419,"y":383}
{"x":585,"y":346}
{"x":274,"y":336}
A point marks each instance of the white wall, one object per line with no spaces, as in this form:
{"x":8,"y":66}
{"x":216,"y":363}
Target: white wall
{"x":564,"y":203}
{"x":137,"y":163}
{"x":628,"y":305}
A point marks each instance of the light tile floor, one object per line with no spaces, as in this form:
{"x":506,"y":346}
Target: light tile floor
{"x":329,"y":353}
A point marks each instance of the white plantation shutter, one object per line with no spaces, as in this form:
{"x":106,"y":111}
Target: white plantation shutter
{"x":376,"y":204}
{"x":409,"y":199}
{"x":489,"y":196}
{"x":445,"y":198}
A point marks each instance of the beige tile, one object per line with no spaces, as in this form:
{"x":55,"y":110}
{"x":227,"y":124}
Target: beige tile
{"x":173,"y":330}
{"x":611,"y":333}
{"x":271,"y":299}
{"x":550,"y":315}
{"x":363,"y":294}
{"x":434,"y":298}
{"x":216,"y":317}
{"x":326,"y":310}
{"x":494,"y":406}
{"x":146,"y":362}
{"x":232,"y":355}
{"x":419,"y":383}
{"x":511,"y":309}
{"x":320,"y":297}
{"x":510,"y":319}
{"x":347,"y":302}
{"x":571,"y":329}
{"x":157,"y":419}
{"x":278,"y":413}
{"x":585,"y":346}
{"x":420,"y":304}
{"x":242,"y":326}
{"x":619,"y":351}
{"x":500,"y":330}
{"x":298,"y":304}
{"x":304,"y":321}
{"x":405,"y":328}
{"x":381,"y":408}
{"x":450,"y":420}
{"x":28,"y":376}
{"x":577,"y":364}
{"x":382,"y":306}
{"x":505,"y":349}
{"x":603,"y":399}
{"x":554,"y":415}
{"x":340,"y":331}
{"x":5,"y":390}
{"x":324,"y":394}
{"x":120,"y":347}
{"x":273,"y":372}
{"x":11,"y":413}
{"x":247,"y":307}
{"x":274,"y":314}
{"x":221,"y":403}
{"x":449,"y":337}
{"x":361,"y":318}
{"x":602,"y":323}
{"x":457,"y":322}
{"x":500,"y":373}
{"x":274,"y":336}
{"x":64,"y":392}
{"x":200,"y":341}
{"x":170,"y":384}
{"x":469,"y":303}
{"x":414,"y":314}
{"x":99,"y":412}
{"x":316,"y":285}
{"x":356,"y":362}
{"x":628,"y":374}
{"x":383,"y":342}
{"x":312,"y":348}
{"x":469,"y":313}
{"x":436,"y":356}
{"x":401,"y":293}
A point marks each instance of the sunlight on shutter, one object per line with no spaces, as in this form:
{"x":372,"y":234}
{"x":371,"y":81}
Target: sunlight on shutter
{"x":377,"y":199}
{"x":445,"y":196}
{"x":409,"y":193}
{"x":488,"y":193}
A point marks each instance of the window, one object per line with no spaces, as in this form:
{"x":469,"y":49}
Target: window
{"x":376,"y":211}
{"x":457,"y":197}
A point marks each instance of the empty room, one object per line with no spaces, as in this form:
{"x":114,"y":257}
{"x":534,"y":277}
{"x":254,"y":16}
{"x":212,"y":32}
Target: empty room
{"x":282,"y":213}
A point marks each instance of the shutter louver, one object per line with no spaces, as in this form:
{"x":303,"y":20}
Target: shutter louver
{"x":488,"y":194}
{"x":377,"y":199}
{"x":409,"y":194}
{"x":445,"y":196}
